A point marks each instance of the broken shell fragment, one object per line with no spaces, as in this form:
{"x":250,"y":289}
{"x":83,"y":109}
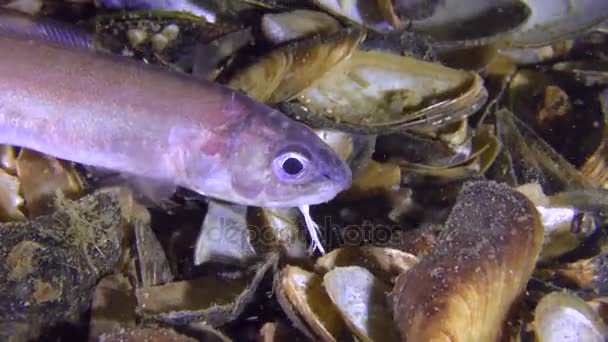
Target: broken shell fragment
{"x":277,"y":332}
{"x":113,"y":306}
{"x":565,"y":317}
{"x":589,"y":273}
{"x":559,"y":221}
{"x":8,"y":159}
{"x":224,"y":235}
{"x":10,"y":200}
{"x":280,"y":230}
{"x":213,"y":299}
{"x":479,"y":265}
{"x":154,"y":268}
{"x":361,"y":300}
{"x":41,"y":177}
{"x":303,"y":298}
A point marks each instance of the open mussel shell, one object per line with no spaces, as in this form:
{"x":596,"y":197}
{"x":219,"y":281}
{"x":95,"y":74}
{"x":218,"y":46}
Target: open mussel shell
{"x":451,"y":23}
{"x":447,"y":145}
{"x":476,"y":158}
{"x":361,"y":300}
{"x":455,"y":24}
{"x":562,"y":316}
{"x":553,"y":21}
{"x":303,"y":298}
{"x":375,"y":92}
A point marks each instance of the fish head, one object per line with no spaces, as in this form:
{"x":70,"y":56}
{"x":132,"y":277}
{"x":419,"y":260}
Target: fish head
{"x":279,"y":162}
{"x":251,"y":154}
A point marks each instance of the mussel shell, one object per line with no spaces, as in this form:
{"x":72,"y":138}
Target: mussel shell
{"x":556,"y":20}
{"x":280,"y":28}
{"x":141,"y":34}
{"x":558,"y":109}
{"x":362,"y":12}
{"x":11,"y":201}
{"x":456,"y":24}
{"x":404,"y":43}
{"x":224,"y":235}
{"x":303,"y":298}
{"x":564,"y":316}
{"x":527,"y":158}
{"x":283,"y":72}
{"x":361,"y":300}
{"x":596,"y":166}
{"x":452,"y":23}
{"x":589,"y":72}
{"x":355,"y":149}
{"x":374,"y":92}
{"x":533,"y":55}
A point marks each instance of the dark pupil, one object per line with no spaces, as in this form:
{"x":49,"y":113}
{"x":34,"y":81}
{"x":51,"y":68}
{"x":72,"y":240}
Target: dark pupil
{"x":292,"y":166}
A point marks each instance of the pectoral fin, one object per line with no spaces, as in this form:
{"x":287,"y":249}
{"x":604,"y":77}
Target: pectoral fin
{"x":148,"y":192}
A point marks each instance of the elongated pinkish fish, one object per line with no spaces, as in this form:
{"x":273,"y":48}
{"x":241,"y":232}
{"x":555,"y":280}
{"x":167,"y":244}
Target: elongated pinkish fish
{"x":119,"y":114}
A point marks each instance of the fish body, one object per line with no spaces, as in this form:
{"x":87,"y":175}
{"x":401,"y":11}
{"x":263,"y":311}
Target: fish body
{"x":143,"y":120}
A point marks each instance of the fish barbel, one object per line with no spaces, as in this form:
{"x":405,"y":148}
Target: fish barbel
{"x":143,"y":120}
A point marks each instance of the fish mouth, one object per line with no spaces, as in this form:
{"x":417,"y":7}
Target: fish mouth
{"x":320,"y":196}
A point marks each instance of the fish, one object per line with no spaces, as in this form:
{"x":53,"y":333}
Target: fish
{"x":64,"y":99}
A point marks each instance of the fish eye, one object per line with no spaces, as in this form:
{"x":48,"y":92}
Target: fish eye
{"x":290,"y":166}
